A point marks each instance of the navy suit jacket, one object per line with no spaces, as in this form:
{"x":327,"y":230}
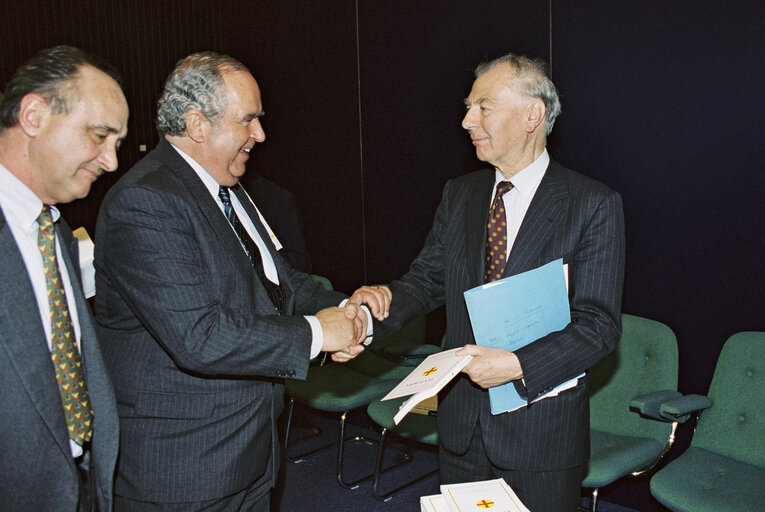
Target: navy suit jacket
{"x":38,"y":472}
{"x":570,"y":217}
{"x":195,"y":347}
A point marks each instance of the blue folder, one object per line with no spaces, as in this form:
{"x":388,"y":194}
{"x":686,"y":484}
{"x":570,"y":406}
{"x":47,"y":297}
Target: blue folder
{"x":512,"y":312}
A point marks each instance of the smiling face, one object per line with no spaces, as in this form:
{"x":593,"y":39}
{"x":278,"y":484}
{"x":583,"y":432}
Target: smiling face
{"x":70,"y":150}
{"x":231,"y":137}
{"x":497,"y":120}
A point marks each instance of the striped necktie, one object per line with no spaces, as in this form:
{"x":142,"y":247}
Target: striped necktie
{"x":64,"y":352}
{"x":275,"y":292}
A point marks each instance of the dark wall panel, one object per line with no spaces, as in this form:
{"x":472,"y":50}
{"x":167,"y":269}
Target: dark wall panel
{"x":303,"y":55}
{"x":141,"y":38}
{"x":417,"y":61}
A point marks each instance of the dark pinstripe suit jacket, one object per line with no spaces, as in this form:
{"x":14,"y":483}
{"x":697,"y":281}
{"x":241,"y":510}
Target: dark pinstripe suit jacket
{"x":571,"y":217}
{"x":38,"y":472}
{"x":195,"y":348}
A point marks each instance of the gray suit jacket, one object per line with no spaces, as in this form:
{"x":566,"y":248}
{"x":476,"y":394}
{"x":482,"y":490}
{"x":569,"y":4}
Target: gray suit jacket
{"x":38,"y":472}
{"x":571,"y":217}
{"x":196,"y":350}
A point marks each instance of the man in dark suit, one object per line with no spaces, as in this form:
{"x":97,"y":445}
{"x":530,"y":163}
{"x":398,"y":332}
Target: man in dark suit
{"x":61,"y":121}
{"x":546,"y":212}
{"x":199,"y":316}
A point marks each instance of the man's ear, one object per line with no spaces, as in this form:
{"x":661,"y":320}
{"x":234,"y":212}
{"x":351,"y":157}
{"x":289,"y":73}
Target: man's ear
{"x":197,"y":125}
{"x":536,"y":114}
{"x":34,"y":113}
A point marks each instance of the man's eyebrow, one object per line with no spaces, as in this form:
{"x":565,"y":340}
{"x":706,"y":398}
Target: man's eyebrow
{"x":479,"y":101}
{"x":103,"y":128}
{"x":254,"y":115}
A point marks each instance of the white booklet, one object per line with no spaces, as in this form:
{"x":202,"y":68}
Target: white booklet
{"x":488,"y":494}
{"x":435,"y":503}
{"x":427,"y":379}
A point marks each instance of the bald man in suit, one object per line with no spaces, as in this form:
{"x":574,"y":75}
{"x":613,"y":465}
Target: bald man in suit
{"x":550,"y":212}
{"x":62,"y":118}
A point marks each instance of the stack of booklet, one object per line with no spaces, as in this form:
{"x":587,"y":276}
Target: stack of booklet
{"x":474,"y":496}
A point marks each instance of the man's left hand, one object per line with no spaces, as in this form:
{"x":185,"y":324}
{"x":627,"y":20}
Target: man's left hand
{"x":377,"y":298}
{"x":490,"y":366}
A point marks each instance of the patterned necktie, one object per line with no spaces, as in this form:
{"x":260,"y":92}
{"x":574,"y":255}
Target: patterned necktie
{"x":275,"y":292}
{"x":64,"y":352}
{"x":496,"y":235}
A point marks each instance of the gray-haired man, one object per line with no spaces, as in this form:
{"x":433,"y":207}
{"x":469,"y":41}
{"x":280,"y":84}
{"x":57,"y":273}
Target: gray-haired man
{"x":200,"y":318}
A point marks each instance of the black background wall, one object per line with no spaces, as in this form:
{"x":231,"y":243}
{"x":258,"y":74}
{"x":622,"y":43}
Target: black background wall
{"x":661,"y":100}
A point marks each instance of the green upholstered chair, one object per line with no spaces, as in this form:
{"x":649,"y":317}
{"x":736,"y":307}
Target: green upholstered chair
{"x":627,"y":434}
{"x":326,"y":283}
{"x":415,"y":427}
{"x":723,"y":469}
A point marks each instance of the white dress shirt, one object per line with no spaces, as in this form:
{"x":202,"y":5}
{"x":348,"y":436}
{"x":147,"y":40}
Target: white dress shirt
{"x":21,"y":208}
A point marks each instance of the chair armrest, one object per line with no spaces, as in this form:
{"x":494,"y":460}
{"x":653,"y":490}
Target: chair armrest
{"x":650,"y":403}
{"x":680,"y":409}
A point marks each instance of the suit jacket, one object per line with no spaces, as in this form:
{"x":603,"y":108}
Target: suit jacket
{"x":570,"y":217}
{"x":195,"y":347}
{"x":35,"y":458}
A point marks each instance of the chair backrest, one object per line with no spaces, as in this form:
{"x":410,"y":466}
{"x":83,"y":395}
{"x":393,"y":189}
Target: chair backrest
{"x":326,"y":283}
{"x":645,"y":360}
{"x":734,"y":425}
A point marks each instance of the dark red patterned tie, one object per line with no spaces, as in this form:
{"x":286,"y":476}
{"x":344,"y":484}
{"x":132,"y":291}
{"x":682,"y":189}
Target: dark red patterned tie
{"x":64,"y":352}
{"x":496,"y":235}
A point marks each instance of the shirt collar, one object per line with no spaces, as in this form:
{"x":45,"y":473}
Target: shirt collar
{"x":527,"y":179}
{"x":209,"y":182}
{"x":20,"y":204}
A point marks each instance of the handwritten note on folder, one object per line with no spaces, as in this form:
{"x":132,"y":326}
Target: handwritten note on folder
{"x":512,"y":312}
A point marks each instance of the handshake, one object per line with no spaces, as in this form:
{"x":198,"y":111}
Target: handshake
{"x":345,"y":328}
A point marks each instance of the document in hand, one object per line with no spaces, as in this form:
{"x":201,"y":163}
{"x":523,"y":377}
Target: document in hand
{"x":427,"y":379}
{"x":512,"y":312}
{"x":489,"y":494}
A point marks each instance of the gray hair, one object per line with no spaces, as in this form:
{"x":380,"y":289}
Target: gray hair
{"x":195,"y":83}
{"x":532,"y":77}
{"x":52,"y":73}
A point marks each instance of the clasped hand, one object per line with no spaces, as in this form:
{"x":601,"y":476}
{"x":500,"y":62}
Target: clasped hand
{"x":346,"y":327}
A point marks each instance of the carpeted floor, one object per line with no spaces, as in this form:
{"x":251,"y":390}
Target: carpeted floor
{"x":311,"y":485}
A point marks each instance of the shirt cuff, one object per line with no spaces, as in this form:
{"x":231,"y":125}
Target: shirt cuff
{"x":317,"y":335}
{"x":370,"y":329}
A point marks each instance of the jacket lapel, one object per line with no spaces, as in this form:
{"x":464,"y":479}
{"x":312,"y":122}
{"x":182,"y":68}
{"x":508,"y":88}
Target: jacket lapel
{"x":24,"y":340}
{"x":248,"y":206}
{"x":545,"y":212}
{"x":208,"y":208}
{"x":476,"y":218}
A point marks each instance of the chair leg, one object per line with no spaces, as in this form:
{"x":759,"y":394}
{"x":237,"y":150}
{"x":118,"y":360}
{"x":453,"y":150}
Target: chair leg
{"x":378,"y":471}
{"x":316,"y":432}
{"x":405,"y":457}
{"x":341,"y":442}
{"x":593,"y":503}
